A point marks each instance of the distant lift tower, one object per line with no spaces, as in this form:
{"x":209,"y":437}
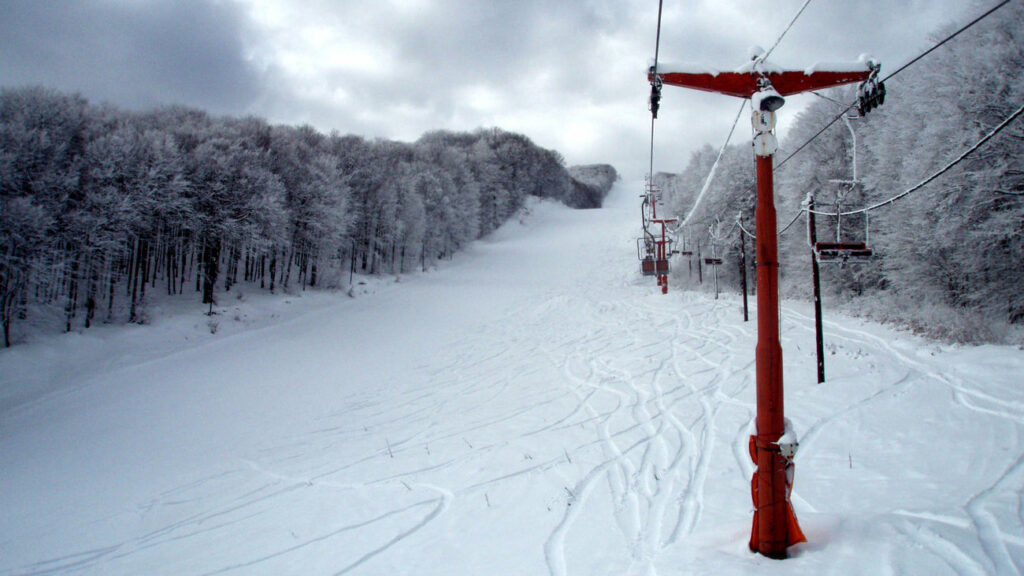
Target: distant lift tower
{"x":653,"y":248}
{"x":772,"y":448}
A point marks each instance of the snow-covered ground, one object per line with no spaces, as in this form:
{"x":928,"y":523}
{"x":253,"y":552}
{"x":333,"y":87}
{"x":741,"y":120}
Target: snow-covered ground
{"x":533,"y":407}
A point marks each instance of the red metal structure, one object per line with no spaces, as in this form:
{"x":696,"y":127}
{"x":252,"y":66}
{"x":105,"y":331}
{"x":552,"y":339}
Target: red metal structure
{"x":746,"y":84}
{"x":772,"y":448}
{"x":654,"y":250}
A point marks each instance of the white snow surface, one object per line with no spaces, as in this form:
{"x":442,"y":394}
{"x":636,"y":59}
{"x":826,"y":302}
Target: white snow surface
{"x":532,"y":407}
{"x":684,"y":68}
{"x":861,"y":65}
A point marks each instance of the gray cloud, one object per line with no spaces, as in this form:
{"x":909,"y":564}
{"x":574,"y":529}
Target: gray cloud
{"x":136,"y":54}
{"x":567,"y":73}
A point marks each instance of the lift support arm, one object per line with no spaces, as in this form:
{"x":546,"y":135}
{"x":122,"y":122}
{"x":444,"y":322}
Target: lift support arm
{"x":745,"y":84}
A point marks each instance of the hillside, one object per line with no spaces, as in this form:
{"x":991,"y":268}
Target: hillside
{"x":532,"y":406}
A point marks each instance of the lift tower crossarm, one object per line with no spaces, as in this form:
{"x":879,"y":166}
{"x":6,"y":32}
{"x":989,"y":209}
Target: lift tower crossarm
{"x":747,"y":81}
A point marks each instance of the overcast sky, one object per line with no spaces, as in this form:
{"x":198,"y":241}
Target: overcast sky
{"x":570,"y":74}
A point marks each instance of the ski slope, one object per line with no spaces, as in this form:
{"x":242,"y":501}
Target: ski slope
{"x":532,"y":407}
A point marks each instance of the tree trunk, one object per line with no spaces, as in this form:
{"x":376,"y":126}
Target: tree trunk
{"x":147,"y":261}
{"x":7,"y":300}
{"x":236,"y":259}
{"x":183,"y":273}
{"x":229,"y":273}
{"x":171,"y":259}
{"x":199,"y":268}
{"x":287,"y":273}
{"x":90,"y":293}
{"x":134,"y":272}
{"x":110,"y":298}
{"x":71,"y":304}
{"x":211,"y":268}
{"x":273,"y":269}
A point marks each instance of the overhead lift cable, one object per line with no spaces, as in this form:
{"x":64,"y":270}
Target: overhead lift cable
{"x":784,"y":32}
{"x":714,"y":167}
{"x":652,"y":251}
{"x":655,"y":101}
{"x":743,"y":229}
{"x":892,"y":74}
{"x":1009,"y":120}
{"x":839,"y":116}
{"x":721,"y":151}
{"x":1002,"y":125}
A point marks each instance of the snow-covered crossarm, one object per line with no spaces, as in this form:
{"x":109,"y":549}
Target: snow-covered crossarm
{"x":683,"y":68}
{"x":864,"y":64}
{"x":743,"y":81}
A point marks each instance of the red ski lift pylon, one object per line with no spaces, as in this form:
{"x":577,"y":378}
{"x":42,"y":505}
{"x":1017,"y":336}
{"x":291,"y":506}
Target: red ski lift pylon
{"x":653,"y":249}
{"x":775,"y":528}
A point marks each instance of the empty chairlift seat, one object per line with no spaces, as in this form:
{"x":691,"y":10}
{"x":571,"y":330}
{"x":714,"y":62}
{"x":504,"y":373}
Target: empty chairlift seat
{"x":648,"y":266}
{"x":842,"y":251}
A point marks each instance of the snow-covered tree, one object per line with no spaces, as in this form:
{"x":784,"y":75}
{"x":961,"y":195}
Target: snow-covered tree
{"x":99,"y":205}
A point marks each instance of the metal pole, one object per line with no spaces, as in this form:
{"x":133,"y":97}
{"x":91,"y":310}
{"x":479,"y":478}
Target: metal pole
{"x":663,"y":254}
{"x":715,"y":255}
{"x":700,"y":265}
{"x":812,"y":235}
{"x":775,"y":527}
{"x":743,"y":273}
{"x":771,"y":507}
{"x":352,"y":263}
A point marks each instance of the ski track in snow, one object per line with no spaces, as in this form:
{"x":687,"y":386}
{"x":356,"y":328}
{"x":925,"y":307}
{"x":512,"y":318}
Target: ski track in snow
{"x":656,"y":463}
{"x":991,"y":553}
{"x":563,"y":427}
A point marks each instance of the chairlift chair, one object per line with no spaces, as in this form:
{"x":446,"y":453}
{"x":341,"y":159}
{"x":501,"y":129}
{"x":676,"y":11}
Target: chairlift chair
{"x":686,"y":250}
{"x":843,"y":251}
{"x":645,"y":252}
{"x":654,"y":250}
{"x":650,"y":264}
{"x":647,"y":267}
